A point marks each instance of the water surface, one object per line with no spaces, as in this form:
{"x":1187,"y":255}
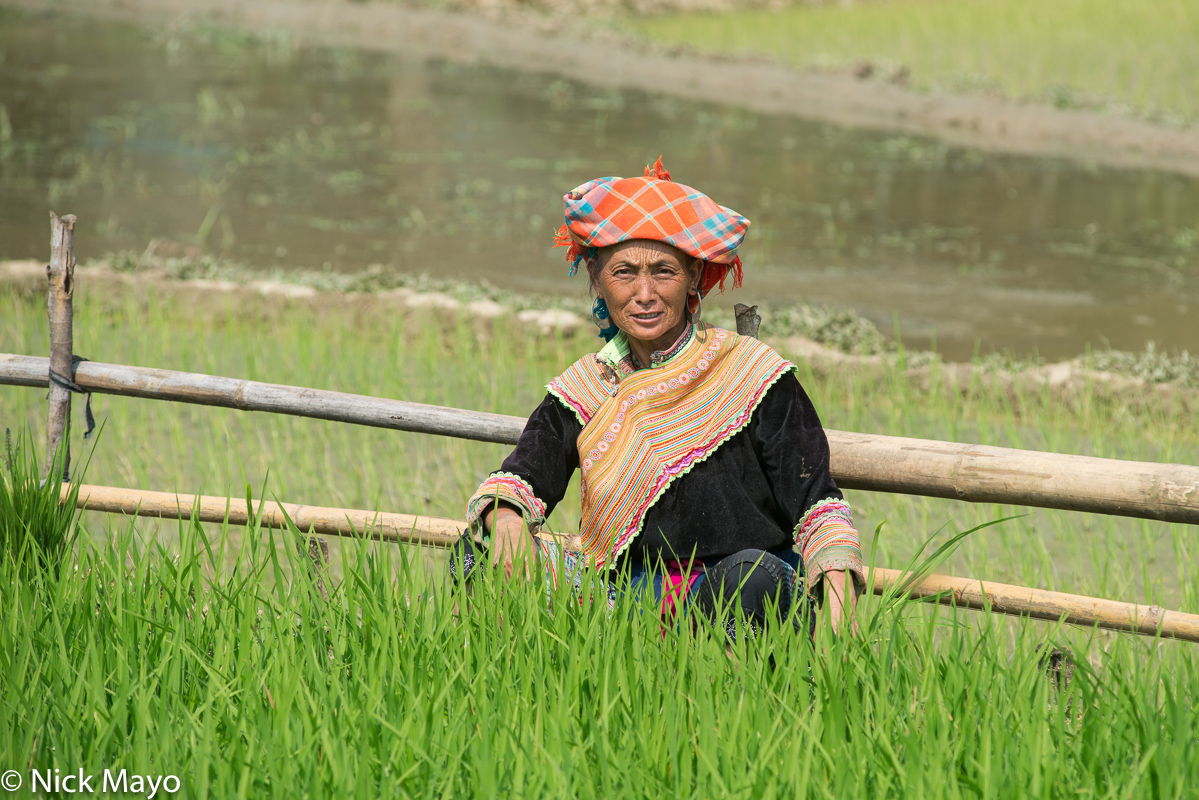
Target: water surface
{"x":274,"y":155}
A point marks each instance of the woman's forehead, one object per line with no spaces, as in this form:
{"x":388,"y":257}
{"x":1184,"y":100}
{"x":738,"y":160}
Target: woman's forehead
{"x":642,"y":251}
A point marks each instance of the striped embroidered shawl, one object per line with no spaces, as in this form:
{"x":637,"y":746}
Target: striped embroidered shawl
{"x":659,"y":423}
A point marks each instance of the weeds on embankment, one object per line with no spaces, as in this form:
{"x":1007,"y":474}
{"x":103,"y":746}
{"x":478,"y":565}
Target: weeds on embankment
{"x":1068,"y":54}
{"x":205,"y":652}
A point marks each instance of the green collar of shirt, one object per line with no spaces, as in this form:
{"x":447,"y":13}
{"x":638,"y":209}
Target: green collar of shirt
{"x":619,"y":355}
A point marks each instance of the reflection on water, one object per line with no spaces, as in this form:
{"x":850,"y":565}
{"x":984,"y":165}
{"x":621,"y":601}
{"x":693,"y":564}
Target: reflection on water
{"x":274,"y":155}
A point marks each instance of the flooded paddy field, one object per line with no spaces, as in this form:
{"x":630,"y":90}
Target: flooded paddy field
{"x":262,"y":152}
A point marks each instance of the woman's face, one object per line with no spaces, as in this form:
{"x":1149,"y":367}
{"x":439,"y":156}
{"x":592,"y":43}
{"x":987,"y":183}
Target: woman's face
{"x":645,"y":285}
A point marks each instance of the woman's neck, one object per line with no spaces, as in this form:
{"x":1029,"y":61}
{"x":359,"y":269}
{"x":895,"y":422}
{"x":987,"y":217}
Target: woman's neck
{"x":644,"y":349}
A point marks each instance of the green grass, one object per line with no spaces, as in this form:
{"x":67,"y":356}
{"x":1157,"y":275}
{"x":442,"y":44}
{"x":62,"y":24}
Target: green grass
{"x":37,"y":531}
{"x":243,"y":684}
{"x":203,"y":652}
{"x":1130,"y":56}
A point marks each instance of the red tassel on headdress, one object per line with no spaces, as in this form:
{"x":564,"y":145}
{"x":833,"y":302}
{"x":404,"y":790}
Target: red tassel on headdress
{"x":575,"y":252}
{"x":735,"y":268}
{"x":714,"y":275}
{"x":562,"y":238}
{"x":657,"y":171}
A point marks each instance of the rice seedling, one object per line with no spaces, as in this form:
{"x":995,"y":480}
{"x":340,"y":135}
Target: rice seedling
{"x":36,"y":530}
{"x":204,"y":652}
{"x":1074,"y":53}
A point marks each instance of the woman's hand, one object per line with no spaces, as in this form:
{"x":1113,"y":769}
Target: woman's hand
{"x":838,"y":586}
{"x":511,"y":543}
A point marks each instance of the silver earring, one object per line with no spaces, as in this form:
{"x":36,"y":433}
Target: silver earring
{"x":699,"y":309}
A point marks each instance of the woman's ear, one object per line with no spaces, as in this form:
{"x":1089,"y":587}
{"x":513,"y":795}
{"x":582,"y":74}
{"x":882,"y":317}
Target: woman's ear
{"x":593,"y":271}
{"x":697,"y":268}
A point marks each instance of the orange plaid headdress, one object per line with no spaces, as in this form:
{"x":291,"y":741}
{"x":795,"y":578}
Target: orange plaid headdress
{"x":606,"y":211}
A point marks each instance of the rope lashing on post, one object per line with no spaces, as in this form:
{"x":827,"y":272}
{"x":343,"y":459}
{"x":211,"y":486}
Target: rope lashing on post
{"x":70,"y":385}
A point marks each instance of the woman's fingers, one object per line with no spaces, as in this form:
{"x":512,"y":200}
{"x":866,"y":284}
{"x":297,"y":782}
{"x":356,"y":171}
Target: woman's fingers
{"x":835,"y":609}
{"x":507,"y":528}
{"x":839,"y":587}
{"x":501,"y":549}
{"x":510,"y":545}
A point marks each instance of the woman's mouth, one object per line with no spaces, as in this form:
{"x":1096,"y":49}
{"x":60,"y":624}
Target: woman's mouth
{"x":648,"y":318}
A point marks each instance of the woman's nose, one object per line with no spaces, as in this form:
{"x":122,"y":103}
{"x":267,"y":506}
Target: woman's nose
{"x":645,"y":292}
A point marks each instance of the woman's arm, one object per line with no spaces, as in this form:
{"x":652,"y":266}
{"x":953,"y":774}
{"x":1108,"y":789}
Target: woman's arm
{"x":529,"y":484}
{"x":794,"y":453}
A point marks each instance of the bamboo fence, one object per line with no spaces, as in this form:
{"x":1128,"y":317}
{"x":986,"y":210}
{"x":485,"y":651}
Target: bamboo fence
{"x":975,"y":473}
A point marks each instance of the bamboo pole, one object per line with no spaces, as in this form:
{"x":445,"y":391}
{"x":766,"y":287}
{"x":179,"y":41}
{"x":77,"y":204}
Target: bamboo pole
{"x":1020,"y":601}
{"x":379,"y":525}
{"x":1040,"y":604}
{"x":870,"y":462}
{"x":208,"y":390}
{"x":59,"y":307}
{"x":984,"y":474}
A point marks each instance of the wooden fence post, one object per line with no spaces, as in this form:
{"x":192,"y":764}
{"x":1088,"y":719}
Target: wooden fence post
{"x":748,"y":319}
{"x":61,"y":276}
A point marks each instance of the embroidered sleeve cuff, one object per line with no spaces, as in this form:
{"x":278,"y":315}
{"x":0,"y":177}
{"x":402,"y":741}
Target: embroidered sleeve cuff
{"x":828,"y":541}
{"x":511,"y":489}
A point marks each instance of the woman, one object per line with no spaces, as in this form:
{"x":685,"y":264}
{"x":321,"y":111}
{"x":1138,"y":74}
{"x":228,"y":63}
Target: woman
{"x":704,"y":465}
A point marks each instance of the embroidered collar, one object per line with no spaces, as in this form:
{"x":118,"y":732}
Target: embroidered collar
{"x":660,"y":357}
{"x":617,"y":354}
{"x":656,"y":425}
